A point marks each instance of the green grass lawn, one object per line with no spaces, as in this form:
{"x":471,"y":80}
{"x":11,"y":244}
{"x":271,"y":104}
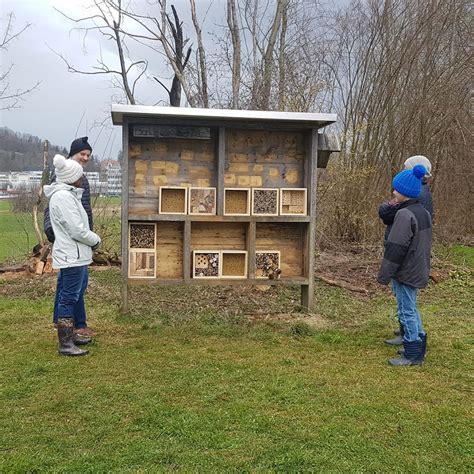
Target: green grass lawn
{"x":17,"y":236}
{"x":189,"y":383}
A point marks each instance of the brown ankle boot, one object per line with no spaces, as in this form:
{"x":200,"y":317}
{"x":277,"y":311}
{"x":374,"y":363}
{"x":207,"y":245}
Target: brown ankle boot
{"x":66,"y":338}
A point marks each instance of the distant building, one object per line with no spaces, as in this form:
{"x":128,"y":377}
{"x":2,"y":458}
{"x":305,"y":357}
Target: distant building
{"x":14,"y":183}
{"x":4,"y":184}
{"x":114,"y":179}
{"x":25,"y":181}
{"x":96,"y":187}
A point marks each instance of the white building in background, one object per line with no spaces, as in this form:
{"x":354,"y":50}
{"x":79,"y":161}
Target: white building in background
{"x":4,"y":184}
{"x":25,"y":181}
{"x":14,"y":183}
{"x":114,"y":179}
{"x":96,"y":187}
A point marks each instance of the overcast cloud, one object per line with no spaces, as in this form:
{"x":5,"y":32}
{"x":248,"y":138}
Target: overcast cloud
{"x":53,"y":111}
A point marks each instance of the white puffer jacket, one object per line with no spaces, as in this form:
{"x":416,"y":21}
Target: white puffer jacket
{"x":74,"y":239}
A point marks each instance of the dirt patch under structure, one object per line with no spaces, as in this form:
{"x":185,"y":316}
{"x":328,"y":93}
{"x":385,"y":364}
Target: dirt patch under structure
{"x":354,"y":268}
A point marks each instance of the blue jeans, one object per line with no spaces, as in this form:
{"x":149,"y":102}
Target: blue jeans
{"x":407,"y":312}
{"x":69,"y":300}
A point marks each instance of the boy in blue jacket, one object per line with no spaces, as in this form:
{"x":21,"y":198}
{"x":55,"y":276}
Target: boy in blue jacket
{"x":406,"y":261}
{"x":387,"y":211}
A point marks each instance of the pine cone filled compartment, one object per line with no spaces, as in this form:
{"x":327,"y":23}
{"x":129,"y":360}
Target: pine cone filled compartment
{"x":206,"y":263}
{"x":267,"y":264}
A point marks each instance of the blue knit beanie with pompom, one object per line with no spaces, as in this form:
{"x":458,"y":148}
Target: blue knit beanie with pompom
{"x":408,"y":182}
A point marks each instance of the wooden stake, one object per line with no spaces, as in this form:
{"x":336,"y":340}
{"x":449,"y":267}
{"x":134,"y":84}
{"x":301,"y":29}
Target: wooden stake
{"x":39,"y":234}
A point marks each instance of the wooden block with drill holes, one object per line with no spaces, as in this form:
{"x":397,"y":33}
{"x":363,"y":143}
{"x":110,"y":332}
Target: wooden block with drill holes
{"x":293,"y":201}
{"x":234,"y":264}
{"x":206,"y":264}
{"x":173,"y":200}
{"x":237,"y":201}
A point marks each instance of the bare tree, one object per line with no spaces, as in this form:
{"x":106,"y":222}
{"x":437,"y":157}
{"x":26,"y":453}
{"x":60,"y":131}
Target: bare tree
{"x":179,"y":60}
{"x":401,"y":73}
{"x":269,"y":48}
{"x":153,"y":32}
{"x":282,"y":61}
{"x":267,"y":57}
{"x":107,"y":19}
{"x":233,"y":24}
{"x":202,"y":68}
{"x":39,"y":196}
{"x":9,"y":99}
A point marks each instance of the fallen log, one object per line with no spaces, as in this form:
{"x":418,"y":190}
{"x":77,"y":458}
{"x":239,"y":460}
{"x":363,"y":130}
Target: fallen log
{"x":342,"y":284}
{"x":14,"y":268}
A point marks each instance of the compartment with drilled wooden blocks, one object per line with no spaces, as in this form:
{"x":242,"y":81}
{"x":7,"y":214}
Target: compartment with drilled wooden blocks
{"x":293,"y":201}
{"x":173,"y":200}
{"x":237,"y":201}
{"x":265,"y":201}
{"x":206,"y":264}
{"x":234,"y":263}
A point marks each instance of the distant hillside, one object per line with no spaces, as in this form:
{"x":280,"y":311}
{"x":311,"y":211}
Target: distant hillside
{"x":24,"y":152}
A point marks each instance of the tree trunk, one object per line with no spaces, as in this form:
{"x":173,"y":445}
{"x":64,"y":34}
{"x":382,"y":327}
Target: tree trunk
{"x":268,"y":56}
{"x":282,"y":62}
{"x":202,"y":57}
{"x":39,"y":234}
{"x":233,"y":24}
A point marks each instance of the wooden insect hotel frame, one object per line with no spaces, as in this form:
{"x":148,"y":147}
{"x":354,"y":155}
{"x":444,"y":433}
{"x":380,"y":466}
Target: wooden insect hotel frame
{"x":199,"y":178}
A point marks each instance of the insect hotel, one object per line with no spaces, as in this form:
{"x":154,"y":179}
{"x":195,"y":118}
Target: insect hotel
{"x":219,"y":197}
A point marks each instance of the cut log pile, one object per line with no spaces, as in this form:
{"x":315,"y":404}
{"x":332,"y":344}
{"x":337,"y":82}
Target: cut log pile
{"x":41,"y":261}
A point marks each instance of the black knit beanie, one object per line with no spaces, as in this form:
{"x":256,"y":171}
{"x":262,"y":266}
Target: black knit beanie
{"x":78,"y":145}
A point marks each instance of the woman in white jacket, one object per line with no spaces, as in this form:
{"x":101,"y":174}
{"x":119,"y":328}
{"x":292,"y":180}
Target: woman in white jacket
{"x":72,"y":248}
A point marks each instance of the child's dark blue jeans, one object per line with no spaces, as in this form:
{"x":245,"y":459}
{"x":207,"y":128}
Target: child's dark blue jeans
{"x":69,"y":300}
{"x":407,"y":311}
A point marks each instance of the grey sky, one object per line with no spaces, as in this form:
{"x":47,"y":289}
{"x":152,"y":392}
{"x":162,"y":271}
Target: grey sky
{"x":54,"y":110}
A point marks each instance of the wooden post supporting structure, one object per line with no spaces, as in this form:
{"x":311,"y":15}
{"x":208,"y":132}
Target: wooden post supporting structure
{"x":125,"y":185}
{"x":220,"y":171}
{"x":311,"y":172}
{"x":187,"y":251}
{"x":251,"y":237}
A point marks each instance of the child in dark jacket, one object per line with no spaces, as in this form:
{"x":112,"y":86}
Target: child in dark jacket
{"x":387,"y":211}
{"x":406,"y":262}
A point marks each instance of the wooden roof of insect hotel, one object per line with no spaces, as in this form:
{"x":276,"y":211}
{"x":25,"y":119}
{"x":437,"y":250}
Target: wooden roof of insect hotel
{"x":221,"y":116}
